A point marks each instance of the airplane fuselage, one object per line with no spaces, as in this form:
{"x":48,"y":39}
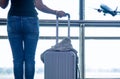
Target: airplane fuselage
{"x":106,"y":9}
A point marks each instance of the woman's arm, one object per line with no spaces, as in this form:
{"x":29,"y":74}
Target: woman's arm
{"x":40,"y":6}
{"x":4,"y":3}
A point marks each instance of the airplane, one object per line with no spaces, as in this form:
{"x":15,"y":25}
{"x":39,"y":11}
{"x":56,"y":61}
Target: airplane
{"x":107,"y":10}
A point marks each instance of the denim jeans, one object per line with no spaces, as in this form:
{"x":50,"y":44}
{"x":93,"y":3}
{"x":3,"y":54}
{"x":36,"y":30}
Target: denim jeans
{"x":23,"y":33}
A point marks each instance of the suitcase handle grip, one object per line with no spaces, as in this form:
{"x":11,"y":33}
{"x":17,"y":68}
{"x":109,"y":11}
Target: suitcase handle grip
{"x":67,"y":14}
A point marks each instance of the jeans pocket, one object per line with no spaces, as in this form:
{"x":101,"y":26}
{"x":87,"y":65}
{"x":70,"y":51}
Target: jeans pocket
{"x":31,"y":25}
{"x":13,"y":24}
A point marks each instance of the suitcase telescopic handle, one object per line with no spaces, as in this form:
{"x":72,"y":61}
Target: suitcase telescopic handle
{"x":57,"y":24}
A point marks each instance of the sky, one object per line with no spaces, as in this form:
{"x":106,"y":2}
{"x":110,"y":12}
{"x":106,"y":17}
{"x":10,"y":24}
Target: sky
{"x":91,"y":14}
{"x":73,"y":8}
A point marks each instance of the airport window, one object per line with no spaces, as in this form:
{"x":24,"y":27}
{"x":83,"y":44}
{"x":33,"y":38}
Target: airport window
{"x":6,"y":61}
{"x":102,"y":37}
{"x":102,"y":52}
{"x":93,"y":10}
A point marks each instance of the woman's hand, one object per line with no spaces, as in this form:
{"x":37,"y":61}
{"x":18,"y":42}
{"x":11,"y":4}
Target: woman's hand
{"x":3,"y":3}
{"x":60,"y":13}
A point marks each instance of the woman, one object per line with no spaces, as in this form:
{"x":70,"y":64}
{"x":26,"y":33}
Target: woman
{"x":23,"y":33}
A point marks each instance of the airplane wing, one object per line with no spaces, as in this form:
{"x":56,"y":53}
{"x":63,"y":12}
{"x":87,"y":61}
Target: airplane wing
{"x":99,"y":10}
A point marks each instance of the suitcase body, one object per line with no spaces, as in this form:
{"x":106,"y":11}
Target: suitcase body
{"x":60,"y":65}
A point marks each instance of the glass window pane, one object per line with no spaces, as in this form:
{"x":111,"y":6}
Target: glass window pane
{"x":6,"y":66}
{"x":92,"y":10}
{"x":102,"y":59}
{"x":69,"y":6}
{"x":102,"y":56}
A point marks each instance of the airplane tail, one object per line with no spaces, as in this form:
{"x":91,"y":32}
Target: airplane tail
{"x":116,"y":8}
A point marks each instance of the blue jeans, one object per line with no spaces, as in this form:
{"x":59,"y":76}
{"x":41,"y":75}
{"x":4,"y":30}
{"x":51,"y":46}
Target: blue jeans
{"x":23,"y":33}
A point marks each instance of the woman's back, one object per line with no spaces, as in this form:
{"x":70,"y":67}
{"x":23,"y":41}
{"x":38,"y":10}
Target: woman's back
{"x":22,"y":8}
